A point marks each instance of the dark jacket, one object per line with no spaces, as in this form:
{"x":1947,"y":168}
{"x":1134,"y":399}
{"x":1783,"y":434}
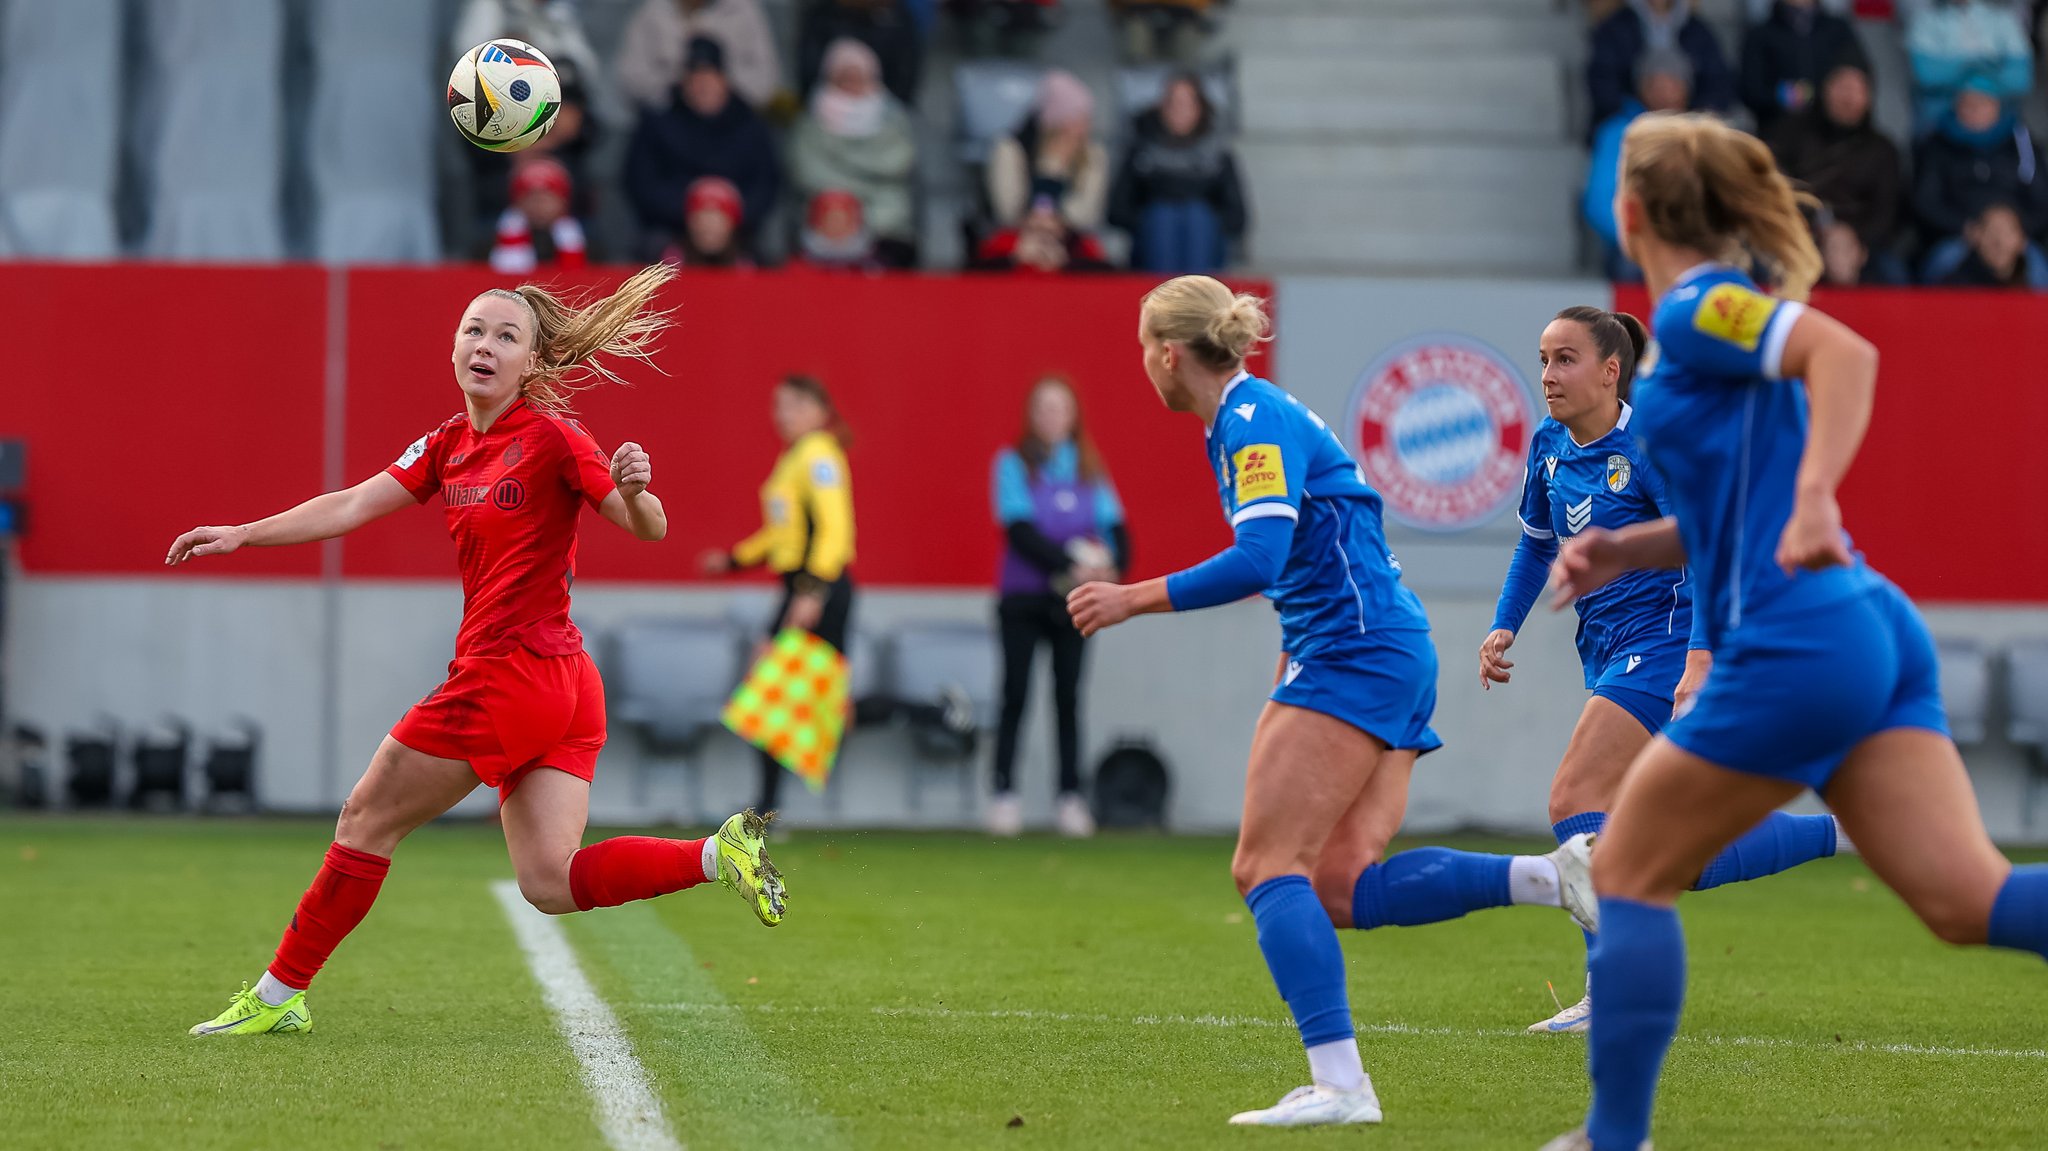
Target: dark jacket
{"x":1159,"y":166}
{"x":675,"y":146}
{"x":1973,"y":272}
{"x":886,"y":27}
{"x":1956,"y":178}
{"x":1855,"y":171}
{"x":1791,"y":46}
{"x":1620,"y":39}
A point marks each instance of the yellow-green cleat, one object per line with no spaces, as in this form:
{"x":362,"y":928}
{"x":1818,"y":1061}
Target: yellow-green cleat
{"x":247,"y":1014}
{"x":743,"y":864}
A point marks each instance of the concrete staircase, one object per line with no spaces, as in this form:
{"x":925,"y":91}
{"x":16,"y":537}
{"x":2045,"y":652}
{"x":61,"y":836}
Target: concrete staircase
{"x":1410,"y":135}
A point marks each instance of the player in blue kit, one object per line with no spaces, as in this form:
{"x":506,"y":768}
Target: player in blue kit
{"x":1356,"y":684}
{"x":1587,"y":471}
{"x":1825,"y":674}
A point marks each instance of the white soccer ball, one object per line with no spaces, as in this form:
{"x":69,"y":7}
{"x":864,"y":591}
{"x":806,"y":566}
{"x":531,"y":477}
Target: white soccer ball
{"x":503,"y":95}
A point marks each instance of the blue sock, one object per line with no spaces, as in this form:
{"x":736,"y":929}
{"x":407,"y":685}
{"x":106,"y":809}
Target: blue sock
{"x":1781,"y":841}
{"x":1586,"y":822}
{"x":1428,"y":885}
{"x":1301,"y":950}
{"x":2019,"y":918}
{"x":1639,"y":962}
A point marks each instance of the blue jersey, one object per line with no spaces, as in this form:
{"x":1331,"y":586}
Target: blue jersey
{"x":1608,"y":484}
{"x":1274,"y":457}
{"x":1727,"y":431}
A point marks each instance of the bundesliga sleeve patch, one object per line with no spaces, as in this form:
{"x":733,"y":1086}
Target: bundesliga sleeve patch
{"x":1735,"y":314}
{"x":413,"y":453}
{"x":1259,"y":473}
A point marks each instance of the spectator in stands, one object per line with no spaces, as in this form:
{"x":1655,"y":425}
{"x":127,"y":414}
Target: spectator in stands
{"x":1172,"y":31}
{"x":1052,"y":155}
{"x":713,"y":216}
{"x":835,"y":236}
{"x":1005,"y":27}
{"x":705,"y":131}
{"x":656,"y":41}
{"x":1785,"y":57}
{"x":1663,"y":84}
{"x":1620,"y":40}
{"x":1178,"y":193}
{"x":884,"y":25}
{"x":1952,"y":42}
{"x":857,"y":138}
{"x":1041,"y":242}
{"x":1997,"y":254}
{"x":537,"y":228}
{"x":570,"y":141}
{"x":1833,"y":149}
{"x":1979,"y":155}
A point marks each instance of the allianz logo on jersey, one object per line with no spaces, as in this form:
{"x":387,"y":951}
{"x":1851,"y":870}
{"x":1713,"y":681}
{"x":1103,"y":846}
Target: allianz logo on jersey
{"x":1579,"y":516}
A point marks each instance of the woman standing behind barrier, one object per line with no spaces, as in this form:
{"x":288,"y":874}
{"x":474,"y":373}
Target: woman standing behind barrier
{"x":806,"y":533}
{"x":1065,"y":528}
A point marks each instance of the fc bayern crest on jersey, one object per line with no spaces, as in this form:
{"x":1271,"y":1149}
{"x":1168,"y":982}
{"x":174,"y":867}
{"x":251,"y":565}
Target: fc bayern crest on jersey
{"x":1440,"y":424}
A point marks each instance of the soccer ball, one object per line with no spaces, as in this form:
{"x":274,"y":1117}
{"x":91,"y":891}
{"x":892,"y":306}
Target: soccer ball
{"x":503,"y":95}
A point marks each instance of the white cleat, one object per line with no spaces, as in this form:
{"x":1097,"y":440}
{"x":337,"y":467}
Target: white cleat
{"x":1005,"y":815}
{"x":1315,"y":1107}
{"x":1574,"y":1020}
{"x":1574,"y":862}
{"x":1071,"y":817}
{"x":1578,"y":1140}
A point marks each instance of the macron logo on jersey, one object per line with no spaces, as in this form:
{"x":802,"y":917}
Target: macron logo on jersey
{"x":1293,"y":669}
{"x":1579,"y":516}
{"x":1551,"y":465}
{"x":1632,"y":662}
{"x":1245,"y":411}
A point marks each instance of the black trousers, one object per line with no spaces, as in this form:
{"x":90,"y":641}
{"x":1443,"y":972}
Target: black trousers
{"x":1026,"y":621}
{"x":832,"y":625}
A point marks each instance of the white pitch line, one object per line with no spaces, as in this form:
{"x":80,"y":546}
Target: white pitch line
{"x":628,"y":1111}
{"x":1857,"y":1046}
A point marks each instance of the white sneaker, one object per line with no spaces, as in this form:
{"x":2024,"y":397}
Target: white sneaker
{"x":1005,"y":815}
{"x":1071,"y":816}
{"x":1315,"y":1107}
{"x":1574,"y":861}
{"x":1578,"y":1140}
{"x":1574,"y":1020}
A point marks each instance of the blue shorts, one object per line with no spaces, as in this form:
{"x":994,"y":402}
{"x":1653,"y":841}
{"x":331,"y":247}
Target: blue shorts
{"x":1385,"y":686}
{"x":1642,"y":684}
{"x":1794,"y":691}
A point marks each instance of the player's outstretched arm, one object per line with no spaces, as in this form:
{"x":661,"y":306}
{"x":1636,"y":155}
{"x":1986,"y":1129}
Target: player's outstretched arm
{"x":631,"y":505}
{"x":320,"y":518}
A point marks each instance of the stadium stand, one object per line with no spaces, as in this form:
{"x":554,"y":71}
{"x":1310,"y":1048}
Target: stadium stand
{"x":58,"y":176}
{"x":373,"y":173}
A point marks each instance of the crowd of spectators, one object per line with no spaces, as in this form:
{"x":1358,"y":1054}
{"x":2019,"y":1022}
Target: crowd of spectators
{"x":730,"y":155}
{"x":1960,"y":202}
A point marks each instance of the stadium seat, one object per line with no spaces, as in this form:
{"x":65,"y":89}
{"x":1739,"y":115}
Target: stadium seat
{"x":58,"y":172}
{"x":374,"y":64}
{"x":927,"y":660}
{"x":1965,"y":688}
{"x":668,"y":680}
{"x":215,"y":143}
{"x":2026,"y":711}
{"x":995,"y":96}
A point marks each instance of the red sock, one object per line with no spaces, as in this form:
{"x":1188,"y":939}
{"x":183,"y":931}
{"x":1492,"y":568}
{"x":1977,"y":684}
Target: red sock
{"x":339,"y":898}
{"x":633,"y":867}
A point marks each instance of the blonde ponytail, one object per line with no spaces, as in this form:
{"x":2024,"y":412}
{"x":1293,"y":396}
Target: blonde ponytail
{"x":1219,"y":327}
{"x":570,"y":335}
{"x":1707,"y":186}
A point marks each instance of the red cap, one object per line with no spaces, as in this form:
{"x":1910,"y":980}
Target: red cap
{"x":828,"y":200}
{"x":715,"y":192}
{"x":540,"y":175}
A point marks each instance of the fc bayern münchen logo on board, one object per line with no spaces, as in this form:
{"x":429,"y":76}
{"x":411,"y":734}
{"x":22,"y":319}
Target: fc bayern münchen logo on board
{"x":1440,"y":424}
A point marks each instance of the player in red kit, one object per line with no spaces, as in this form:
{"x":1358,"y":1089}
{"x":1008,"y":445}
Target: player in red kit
{"x":522,"y":709}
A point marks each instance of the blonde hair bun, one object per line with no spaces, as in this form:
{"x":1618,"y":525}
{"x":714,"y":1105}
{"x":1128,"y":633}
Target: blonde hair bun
{"x":1219,"y":327}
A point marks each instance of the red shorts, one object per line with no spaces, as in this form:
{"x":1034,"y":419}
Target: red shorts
{"x":509,"y":714}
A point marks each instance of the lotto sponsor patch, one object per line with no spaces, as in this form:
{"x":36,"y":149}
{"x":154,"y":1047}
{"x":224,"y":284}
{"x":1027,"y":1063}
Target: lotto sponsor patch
{"x":1734,"y":313}
{"x":1260,"y":474}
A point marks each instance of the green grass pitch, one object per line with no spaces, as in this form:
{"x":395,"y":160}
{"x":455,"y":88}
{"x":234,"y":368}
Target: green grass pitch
{"x":942,"y":991}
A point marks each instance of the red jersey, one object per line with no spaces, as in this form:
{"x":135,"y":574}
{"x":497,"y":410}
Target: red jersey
{"x":513,"y":494}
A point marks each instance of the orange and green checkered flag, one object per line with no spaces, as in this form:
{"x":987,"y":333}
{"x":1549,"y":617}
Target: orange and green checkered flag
{"x":793,"y":705}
